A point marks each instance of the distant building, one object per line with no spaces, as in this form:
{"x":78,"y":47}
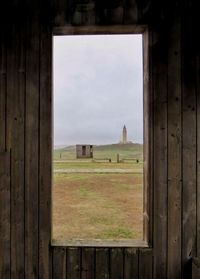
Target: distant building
{"x":124,"y":135}
{"x":84,"y":151}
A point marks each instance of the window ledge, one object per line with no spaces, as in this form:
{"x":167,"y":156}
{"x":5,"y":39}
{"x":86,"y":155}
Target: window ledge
{"x":100,"y":243}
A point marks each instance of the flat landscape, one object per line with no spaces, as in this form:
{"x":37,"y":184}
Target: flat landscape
{"x":97,"y":199}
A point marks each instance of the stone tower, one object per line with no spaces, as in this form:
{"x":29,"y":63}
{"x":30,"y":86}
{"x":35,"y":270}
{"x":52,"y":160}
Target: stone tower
{"x":124,"y":135}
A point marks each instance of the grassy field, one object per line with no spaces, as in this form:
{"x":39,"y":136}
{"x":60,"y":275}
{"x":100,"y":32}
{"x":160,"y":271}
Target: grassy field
{"x":103,"y":151}
{"x":97,"y":205}
{"x":96,"y":165}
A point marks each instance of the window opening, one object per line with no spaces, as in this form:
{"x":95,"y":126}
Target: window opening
{"x":98,"y":99}
{"x":83,"y":150}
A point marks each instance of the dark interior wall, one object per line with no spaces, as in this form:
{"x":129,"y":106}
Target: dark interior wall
{"x":25,"y":147}
{"x":25,"y":140}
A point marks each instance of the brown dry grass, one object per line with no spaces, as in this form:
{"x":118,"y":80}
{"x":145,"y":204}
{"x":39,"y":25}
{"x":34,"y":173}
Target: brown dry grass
{"x":97,"y":206}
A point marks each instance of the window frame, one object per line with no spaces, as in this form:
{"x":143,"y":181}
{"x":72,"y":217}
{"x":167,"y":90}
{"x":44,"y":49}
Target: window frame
{"x":147,"y":135}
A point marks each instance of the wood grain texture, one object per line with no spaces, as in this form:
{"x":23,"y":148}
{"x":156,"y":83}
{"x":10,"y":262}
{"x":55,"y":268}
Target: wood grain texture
{"x":45,"y":149}
{"x":145,"y":264}
{"x":148,"y":140}
{"x":73,"y":263}
{"x":25,"y":130}
{"x":174,"y":148}
{"x":2,"y":90}
{"x":17,"y":165}
{"x":98,"y":30}
{"x":5,"y":256}
{"x":100,"y":12}
{"x":59,"y":263}
{"x":198,"y":150}
{"x":131,"y":263}
{"x":131,"y":12}
{"x":32,"y":150}
{"x":87,"y":263}
{"x":116,"y":263}
{"x":4,"y":169}
{"x":102,"y":263}
{"x":159,"y":56}
{"x":195,"y":268}
{"x":15,"y":142}
{"x":189,"y":142}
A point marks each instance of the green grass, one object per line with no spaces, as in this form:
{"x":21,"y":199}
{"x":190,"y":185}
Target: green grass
{"x":93,"y":165}
{"x":100,"y":205}
{"x":130,"y":150}
{"x":97,"y":206}
{"x":86,"y":193}
{"x":117,"y":233}
{"x":118,"y":180}
{"x":101,"y":220}
{"x":62,"y":177}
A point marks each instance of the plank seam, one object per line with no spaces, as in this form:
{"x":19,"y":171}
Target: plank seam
{"x":39,"y":147}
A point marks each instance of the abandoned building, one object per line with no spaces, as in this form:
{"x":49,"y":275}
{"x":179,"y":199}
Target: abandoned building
{"x":171,"y":245}
{"x":84,"y":151}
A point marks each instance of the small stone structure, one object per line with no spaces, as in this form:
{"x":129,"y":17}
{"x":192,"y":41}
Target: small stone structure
{"x":84,"y":151}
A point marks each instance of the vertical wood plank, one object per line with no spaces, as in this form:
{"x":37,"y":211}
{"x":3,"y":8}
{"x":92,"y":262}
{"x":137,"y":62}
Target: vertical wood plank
{"x":88,"y":263}
{"x":131,"y":12}
{"x":32,"y":149}
{"x":15,"y":142}
{"x":198,"y":149}
{"x":174,"y":148}
{"x":4,"y":169}
{"x":102,"y":263}
{"x":5,"y":259}
{"x":148,"y":140}
{"x":17,"y":193}
{"x":60,"y":10}
{"x":189,"y":140}
{"x":159,"y":56}
{"x":195,"y":268}
{"x":2,"y":90}
{"x":59,"y":263}
{"x":131,"y":263}
{"x":45,"y":150}
{"x":145,"y":264}
{"x":73,"y":263}
{"x":116,"y":263}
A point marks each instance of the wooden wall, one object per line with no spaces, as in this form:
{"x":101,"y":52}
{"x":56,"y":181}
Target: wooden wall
{"x":25,"y":140}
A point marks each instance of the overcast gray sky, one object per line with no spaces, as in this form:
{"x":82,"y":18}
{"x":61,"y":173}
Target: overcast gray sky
{"x":98,"y":87}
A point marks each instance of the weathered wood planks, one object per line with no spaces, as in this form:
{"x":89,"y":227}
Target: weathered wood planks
{"x":116,"y":263}
{"x":45,"y":143}
{"x":195,"y":268}
{"x":2,"y":90}
{"x":15,"y":142}
{"x":59,"y":263}
{"x":5,"y":256}
{"x":145,"y":264}
{"x":32,"y":150}
{"x":131,"y":263}
{"x":160,"y":125}
{"x":148,"y":139}
{"x":73,"y":263}
{"x":25,"y":141}
{"x":198,"y":150}
{"x":102,"y":263}
{"x":87,"y":263}
{"x":174,"y":148}
{"x":189,"y":141}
